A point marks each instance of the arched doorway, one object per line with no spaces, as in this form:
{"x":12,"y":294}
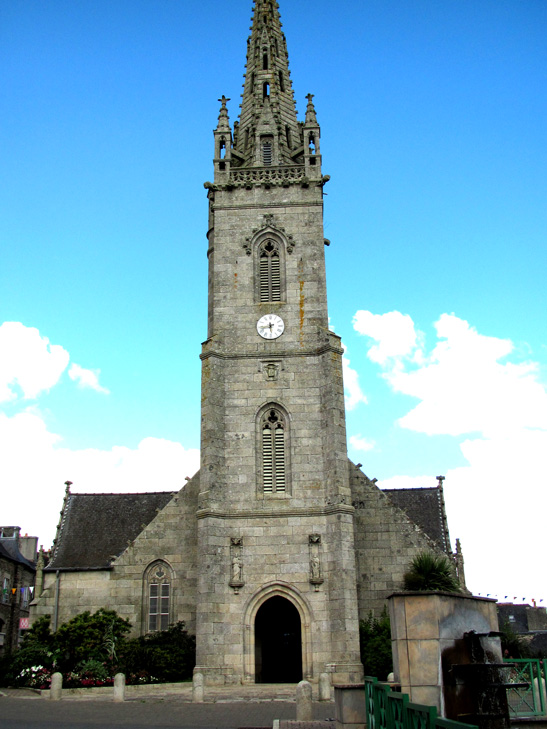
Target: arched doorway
{"x":278,"y":642}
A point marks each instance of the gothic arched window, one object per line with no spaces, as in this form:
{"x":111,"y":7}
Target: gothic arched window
{"x":157,"y":596}
{"x":274,"y":450}
{"x":269,"y":271}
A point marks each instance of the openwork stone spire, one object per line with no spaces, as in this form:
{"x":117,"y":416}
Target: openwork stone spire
{"x":223,"y":120}
{"x":268,"y":107}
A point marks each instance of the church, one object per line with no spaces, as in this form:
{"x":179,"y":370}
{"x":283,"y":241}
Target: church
{"x":279,"y":545}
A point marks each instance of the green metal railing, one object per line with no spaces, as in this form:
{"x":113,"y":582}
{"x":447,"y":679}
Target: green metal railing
{"x":387,"y":709}
{"x":528,"y":699}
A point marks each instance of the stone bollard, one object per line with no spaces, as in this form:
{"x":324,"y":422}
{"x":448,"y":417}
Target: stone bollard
{"x":197,"y":688}
{"x":303,"y":702}
{"x":119,"y":687}
{"x":324,"y":687}
{"x":56,"y":687}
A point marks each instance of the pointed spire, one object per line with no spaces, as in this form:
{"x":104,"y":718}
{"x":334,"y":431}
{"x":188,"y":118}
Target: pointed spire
{"x":310,"y":111}
{"x":223,"y":120}
{"x":268,"y":104}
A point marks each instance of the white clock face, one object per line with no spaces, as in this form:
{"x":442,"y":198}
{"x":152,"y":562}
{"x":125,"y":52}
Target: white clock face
{"x":270,"y":326}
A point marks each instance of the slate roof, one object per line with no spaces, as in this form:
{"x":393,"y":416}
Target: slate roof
{"x":10,"y":550}
{"x":425,"y":507}
{"x":97,"y":527}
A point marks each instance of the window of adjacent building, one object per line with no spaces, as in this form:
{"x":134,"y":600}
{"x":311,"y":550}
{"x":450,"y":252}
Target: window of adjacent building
{"x":266,"y":90}
{"x":5,"y":590}
{"x":269,"y":271}
{"x":274,"y":452}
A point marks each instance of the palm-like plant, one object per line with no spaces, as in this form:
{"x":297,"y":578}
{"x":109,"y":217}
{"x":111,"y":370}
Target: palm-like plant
{"x":430,"y":571}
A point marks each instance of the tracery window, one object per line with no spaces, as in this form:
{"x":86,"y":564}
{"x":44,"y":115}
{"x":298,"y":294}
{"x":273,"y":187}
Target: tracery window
{"x":274,"y":434}
{"x":157,"y":596}
{"x":269,"y":271}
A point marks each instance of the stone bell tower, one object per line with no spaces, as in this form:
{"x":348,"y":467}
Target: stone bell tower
{"x":277,"y":596}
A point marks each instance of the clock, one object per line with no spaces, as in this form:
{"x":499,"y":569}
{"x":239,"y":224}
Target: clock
{"x":270,"y":326}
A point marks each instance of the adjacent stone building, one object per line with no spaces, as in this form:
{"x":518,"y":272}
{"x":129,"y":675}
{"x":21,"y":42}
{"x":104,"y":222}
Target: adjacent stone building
{"x":279,"y":545}
{"x":17,"y":572}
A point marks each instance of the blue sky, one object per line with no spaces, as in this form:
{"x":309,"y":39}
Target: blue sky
{"x":434,"y":132}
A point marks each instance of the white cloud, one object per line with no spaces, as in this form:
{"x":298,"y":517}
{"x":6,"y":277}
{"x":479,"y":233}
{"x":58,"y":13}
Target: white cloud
{"x":86,"y":378}
{"x":29,"y":364}
{"x":394,"y":333}
{"x":407,"y":482}
{"x":352,"y":389}
{"x":467,"y":384}
{"x":463,"y":387}
{"x":35,"y":466}
{"x":495,"y":504}
{"x":360,"y":443}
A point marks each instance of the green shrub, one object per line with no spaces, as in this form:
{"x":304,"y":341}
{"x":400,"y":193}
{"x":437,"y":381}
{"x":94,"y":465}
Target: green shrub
{"x":91,"y":648}
{"x":89,"y":636}
{"x":36,"y":653}
{"x":168,"y":655}
{"x":430,"y":571}
{"x":512,"y":644}
{"x":375,"y":644}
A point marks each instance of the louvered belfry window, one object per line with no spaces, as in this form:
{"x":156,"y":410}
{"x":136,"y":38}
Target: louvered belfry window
{"x":267,"y":153}
{"x":270,"y":272}
{"x":273,"y":452}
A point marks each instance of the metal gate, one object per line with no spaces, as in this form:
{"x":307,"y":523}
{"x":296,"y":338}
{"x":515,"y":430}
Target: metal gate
{"x":526,"y":700}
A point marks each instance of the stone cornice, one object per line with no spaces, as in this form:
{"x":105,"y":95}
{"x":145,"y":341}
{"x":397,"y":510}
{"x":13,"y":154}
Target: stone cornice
{"x":264,"y":206}
{"x":283,"y":353}
{"x":296,"y":511}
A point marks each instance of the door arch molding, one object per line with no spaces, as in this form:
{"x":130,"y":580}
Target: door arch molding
{"x":254,"y":603}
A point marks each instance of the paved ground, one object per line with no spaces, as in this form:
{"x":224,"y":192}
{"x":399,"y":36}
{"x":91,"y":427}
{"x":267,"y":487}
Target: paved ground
{"x":28,"y":710}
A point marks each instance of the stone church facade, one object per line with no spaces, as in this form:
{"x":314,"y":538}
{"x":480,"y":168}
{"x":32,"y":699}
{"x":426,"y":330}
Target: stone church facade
{"x":277,"y":547}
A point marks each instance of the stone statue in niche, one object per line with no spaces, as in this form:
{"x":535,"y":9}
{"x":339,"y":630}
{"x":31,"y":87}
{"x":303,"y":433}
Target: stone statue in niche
{"x":236,"y":564}
{"x":315,"y":566}
{"x":236,"y":569}
{"x":316,"y":578}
